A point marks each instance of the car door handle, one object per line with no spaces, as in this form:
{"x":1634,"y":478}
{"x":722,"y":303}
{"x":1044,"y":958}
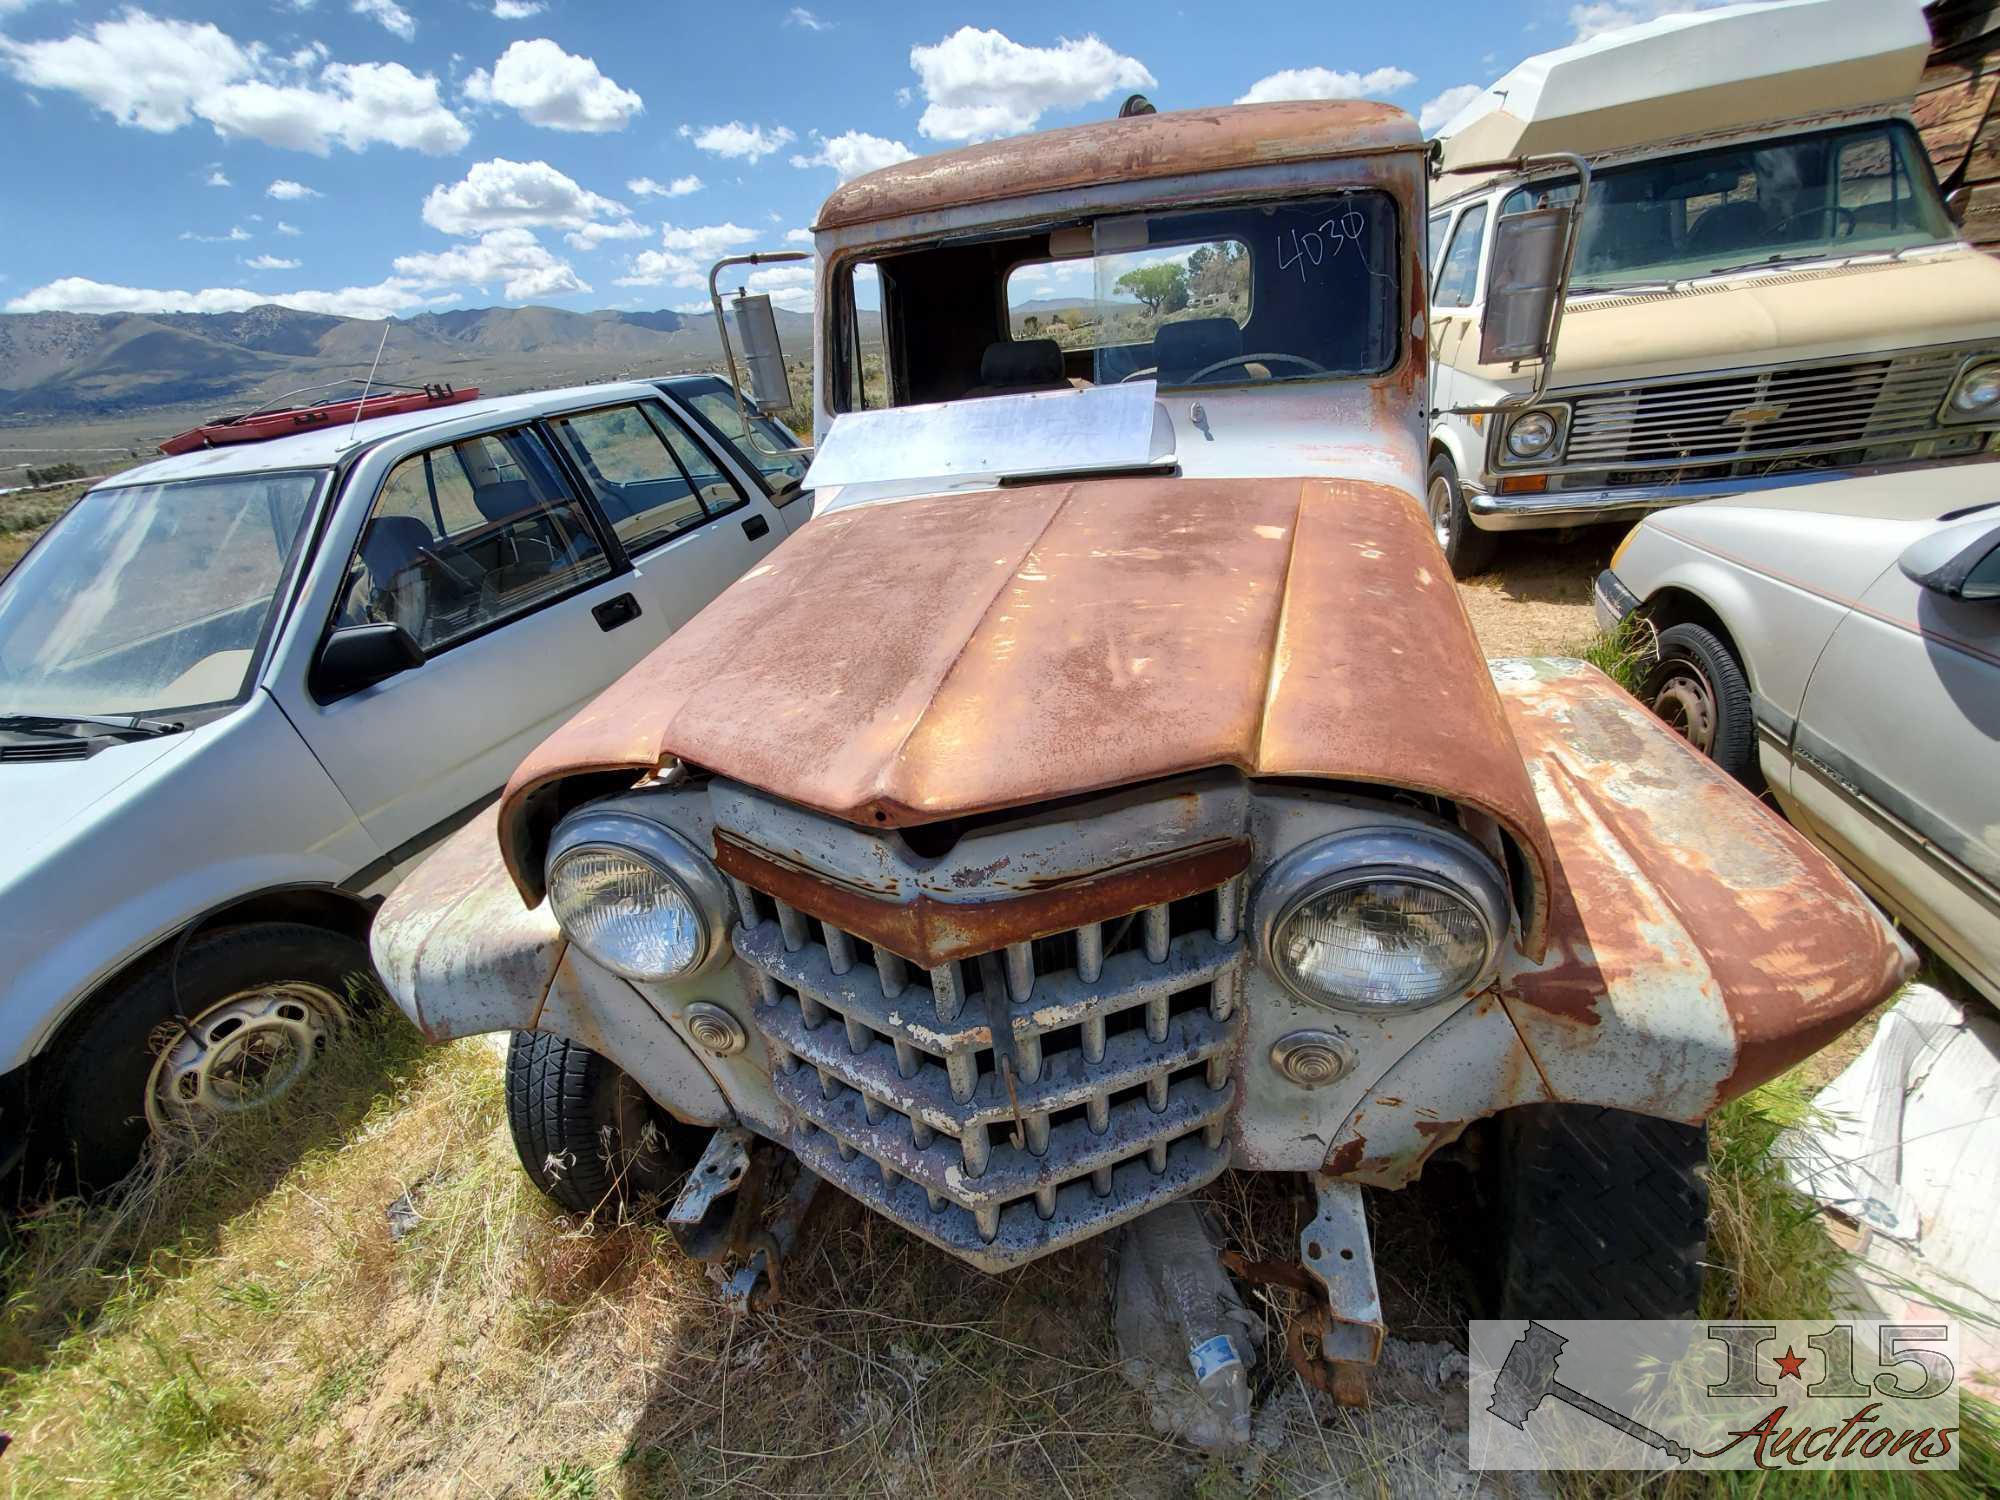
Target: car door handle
{"x":755,"y":527}
{"x":615,"y":612}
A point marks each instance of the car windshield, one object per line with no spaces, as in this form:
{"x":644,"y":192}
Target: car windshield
{"x":1859,"y":191}
{"x":149,"y":598}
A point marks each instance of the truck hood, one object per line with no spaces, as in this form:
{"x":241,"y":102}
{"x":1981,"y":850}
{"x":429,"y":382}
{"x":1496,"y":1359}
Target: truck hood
{"x":40,"y":801}
{"x":1822,"y":312}
{"x":927,"y":659}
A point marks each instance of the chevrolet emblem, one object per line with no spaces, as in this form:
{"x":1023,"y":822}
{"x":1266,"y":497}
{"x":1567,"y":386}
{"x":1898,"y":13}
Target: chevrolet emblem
{"x":1755,"y":416}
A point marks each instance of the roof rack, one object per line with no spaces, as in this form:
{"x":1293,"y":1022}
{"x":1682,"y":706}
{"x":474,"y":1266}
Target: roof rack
{"x":268,"y":421}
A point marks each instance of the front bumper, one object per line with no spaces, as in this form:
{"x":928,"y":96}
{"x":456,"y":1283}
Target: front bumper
{"x":1615,"y":604}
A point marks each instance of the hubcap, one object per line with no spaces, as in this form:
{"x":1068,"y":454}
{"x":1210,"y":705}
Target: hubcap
{"x":1440,"y":508}
{"x":239,"y":1054}
{"x":1687,"y":706}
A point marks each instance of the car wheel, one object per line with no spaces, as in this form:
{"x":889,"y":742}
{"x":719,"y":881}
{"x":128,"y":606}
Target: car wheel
{"x":226,"y":1025}
{"x":1466,"y":548}
{"x":587,"y":1134}
{"x":1697,"y":688}
{"x":1605,"y":1213}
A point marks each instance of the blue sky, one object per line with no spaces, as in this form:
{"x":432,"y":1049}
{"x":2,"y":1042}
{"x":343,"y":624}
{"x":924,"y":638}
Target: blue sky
{"x":391,"y":156}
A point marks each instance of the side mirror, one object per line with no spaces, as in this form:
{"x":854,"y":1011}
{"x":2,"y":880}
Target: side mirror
{"x":1956,"y":202}
{"x":1960,"y":562}
{"x":358,"y":656}
{"x":1523,"y":280}
{"x":757,"y":326}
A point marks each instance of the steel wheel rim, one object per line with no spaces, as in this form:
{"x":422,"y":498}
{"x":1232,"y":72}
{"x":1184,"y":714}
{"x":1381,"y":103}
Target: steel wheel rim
{"x":1440,"y":509}
{"x":241,"y":1054}
{"x":1686,"y":704}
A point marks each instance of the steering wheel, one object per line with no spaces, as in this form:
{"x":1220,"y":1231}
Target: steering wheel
{"x":1139,"y":374}
{"x":1255,"y":359}
{"x":1824,"y":209}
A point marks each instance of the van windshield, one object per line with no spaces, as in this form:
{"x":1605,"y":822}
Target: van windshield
{"x":1858,"y":191}
{"x":149,"y":598}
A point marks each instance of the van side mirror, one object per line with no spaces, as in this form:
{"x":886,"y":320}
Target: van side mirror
{"x":1523,"y":279}
{"x":757,"y":326}
{"x":1960,"y":562}
{"x":358,"y":656}
{"x":1956,"y":202}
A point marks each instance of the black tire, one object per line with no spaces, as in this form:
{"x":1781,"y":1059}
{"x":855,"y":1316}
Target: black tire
{"x":1466,"y":548}
{"x":587,"y":1135}
{"x":1699,"y":689}
{"x":90,"y":1117}
{"x":1605,"y":1213}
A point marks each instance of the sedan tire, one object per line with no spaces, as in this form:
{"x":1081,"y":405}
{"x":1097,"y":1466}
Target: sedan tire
{"x":1698,"y":688}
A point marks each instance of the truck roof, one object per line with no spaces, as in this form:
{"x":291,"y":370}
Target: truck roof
{"x":1123,"y":150}
{"x":321,"y":447}
{"x":1696,"y":74}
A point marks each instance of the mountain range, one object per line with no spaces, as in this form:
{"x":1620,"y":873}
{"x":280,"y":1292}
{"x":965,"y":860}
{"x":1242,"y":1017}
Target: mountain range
{"x":88,"y":365}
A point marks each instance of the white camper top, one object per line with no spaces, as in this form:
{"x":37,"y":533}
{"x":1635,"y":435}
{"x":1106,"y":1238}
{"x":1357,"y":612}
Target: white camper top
{"x":1696,"y":74}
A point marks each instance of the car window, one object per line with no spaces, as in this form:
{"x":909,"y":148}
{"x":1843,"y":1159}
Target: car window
{"x":464,"y":536}
{"x":769,"y":450}
{"x":1435,"y":240}
{"x":1459,"y":277}
{"x":650,"y":477}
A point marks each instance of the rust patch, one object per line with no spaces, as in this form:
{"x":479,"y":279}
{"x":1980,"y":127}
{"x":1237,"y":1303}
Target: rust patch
{"x":1347,"y":1156}
{"x":1138,"y":149}
{"x":929,"y":932}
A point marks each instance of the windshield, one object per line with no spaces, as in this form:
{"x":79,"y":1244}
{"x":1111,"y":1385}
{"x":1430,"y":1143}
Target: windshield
{"x":149,"y":598}
{"x":1859,"y":191}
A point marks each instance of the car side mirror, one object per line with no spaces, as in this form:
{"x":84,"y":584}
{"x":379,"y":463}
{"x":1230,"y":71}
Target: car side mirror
{"x":358,"y":656}
{"x":1523,"y":279}
{"x":1960,"y":562}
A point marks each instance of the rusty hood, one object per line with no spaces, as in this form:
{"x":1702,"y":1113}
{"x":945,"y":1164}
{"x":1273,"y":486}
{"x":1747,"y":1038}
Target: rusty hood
{"x":903,"y":663}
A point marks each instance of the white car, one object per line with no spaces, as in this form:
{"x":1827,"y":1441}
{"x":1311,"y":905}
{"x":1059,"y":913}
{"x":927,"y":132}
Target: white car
{"x":242,"y":689}
{"x":1840,"y":643}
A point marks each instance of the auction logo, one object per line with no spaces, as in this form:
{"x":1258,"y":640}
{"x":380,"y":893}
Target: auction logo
{"x":1768,"y":1396}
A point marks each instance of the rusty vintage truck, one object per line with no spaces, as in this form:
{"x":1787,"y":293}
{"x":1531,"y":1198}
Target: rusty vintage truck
{"x":1105,"y":789}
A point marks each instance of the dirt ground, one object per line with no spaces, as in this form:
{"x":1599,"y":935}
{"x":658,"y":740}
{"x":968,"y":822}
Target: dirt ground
{"x":1535,"y":599}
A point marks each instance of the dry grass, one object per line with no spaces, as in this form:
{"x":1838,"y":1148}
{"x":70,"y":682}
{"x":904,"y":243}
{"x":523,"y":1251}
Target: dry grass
{"x":1535,"y":599}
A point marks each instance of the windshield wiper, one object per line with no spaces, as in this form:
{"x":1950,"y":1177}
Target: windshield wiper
{"x":135,"y":725}
{"x":1773,"y":260}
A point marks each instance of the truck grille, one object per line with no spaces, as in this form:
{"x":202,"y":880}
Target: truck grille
{"x":1762,"y":413}
{"x":1114,"y":1099}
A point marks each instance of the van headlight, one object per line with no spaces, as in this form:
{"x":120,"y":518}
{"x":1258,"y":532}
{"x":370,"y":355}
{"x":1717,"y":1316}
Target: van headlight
{"x":1976,"y":395}
{"x":635,"y":896}
{"x":1382,"y":919}
{"x":1533,"y":435}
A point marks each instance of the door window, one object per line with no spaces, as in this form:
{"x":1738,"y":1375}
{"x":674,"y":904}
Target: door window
{"x":1458,"y":279}
{"x":1434,"y":241}
{"x":768,"y":451}
{"x":468,"y":535}
{"x":650,"y":476}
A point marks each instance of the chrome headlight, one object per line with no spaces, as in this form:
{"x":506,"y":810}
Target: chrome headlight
{"x":636,"y":897}
{"x":1976,"y":395}
{"x":1382,"y":919}
{"x":1532,"y":435}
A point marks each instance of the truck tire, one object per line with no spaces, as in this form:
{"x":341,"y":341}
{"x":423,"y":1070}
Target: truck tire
{"x":225,"y":1024}
{"x":1466,"y":548}
{"x":588,"y":1136}
{"x":1605,"y":1213}
{"x":1698,"y":688}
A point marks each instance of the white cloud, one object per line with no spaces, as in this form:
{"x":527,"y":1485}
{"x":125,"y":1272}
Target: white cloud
{"x":217,"y":178}
{"x":1326,"y":83}
{"x":509,"y":256}
{"x":798,"y":236}
{"x":289,"y":229}
{"x":555,"y":89}
{"x":502,"y":194}
{"x":390,"y":16}
{"x":800,"y":16}
{"x":789,"y":287}
{"x":1609,"y":15}
{"x":162,"y":75}
{"x":853,"y":152}
{"x":592,"y":235}
{"x":750,"y":142}
{"x":271,"y":263}
{"x":517,"y":10}
{"x":285,"y":190}
{"x":680,"y":187}
{"x":80,"y":294}
{"x":235,"y":234}
{"x":982,"y":83}
{"x":686,"y":254}
{"x":1437,"y":112}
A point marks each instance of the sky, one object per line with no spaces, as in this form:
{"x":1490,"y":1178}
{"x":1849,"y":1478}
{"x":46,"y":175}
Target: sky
{"x":390,"y":157}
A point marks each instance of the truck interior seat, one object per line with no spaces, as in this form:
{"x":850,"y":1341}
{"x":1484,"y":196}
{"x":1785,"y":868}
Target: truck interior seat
{"x":1181,"y":349}
{"x":1010,"y":367}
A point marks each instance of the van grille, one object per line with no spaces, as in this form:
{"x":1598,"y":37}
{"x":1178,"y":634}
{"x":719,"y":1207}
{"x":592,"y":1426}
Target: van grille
{"x":1762,"y":413}
{"x":1114,"y":1098}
